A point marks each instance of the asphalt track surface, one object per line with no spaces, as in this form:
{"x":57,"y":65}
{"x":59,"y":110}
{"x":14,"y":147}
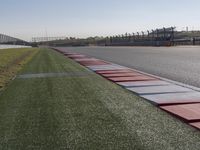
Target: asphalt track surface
{"x":180,"y":64}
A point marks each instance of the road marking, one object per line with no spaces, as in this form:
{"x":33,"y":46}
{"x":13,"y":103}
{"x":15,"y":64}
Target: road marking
{"x":173,"y":98}
{"x":106,"y":67}
{"x":159,"y":89}
{"x":136,"y":78}
{"x":196,"y":125}
{"x":143,"y":83}
{"x":115,"y":71}
{"x":92,"y":63}
{"x":85,"y":59}
{"x":188,"y":112}
{"x":45,"y":75}
{"x":121,"y":75}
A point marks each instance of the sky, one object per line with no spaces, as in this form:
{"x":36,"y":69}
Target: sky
{"x":84,"y":18}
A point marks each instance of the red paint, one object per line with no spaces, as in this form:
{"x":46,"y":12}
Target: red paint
{"x":93,"y":63}
{"x":196,"y":125}
{"x":136,"y":78}
{"x":66,"y":54}
{"x":76,"y":57}
{"x":188,"y":112}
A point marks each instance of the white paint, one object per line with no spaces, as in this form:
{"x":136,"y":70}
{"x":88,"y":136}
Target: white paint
{"x":159,"y":89}
{"x":143,"y":83}
{"x":173,"y":98}
{"x":106,"y":67}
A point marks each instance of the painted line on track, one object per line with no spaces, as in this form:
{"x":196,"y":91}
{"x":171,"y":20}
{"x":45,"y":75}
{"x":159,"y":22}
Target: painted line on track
{"x":61,"y":74}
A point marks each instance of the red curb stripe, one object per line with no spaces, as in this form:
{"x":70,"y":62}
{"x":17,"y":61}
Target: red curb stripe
{"x":187,"y":112}
{"x":137,"y":78}
{"x":196,"y":125}
{"x":190,"y":113}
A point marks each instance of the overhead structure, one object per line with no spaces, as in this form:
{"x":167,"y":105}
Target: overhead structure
{"x":5,"y":39}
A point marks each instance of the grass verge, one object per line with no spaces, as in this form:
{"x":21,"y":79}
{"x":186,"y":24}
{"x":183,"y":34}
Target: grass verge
{"x":11,"y":61}
{"x":86,"y":112}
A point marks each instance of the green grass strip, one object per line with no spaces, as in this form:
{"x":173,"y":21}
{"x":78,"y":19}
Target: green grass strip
{"x":11,"y":61}
{"x":83,"y":113}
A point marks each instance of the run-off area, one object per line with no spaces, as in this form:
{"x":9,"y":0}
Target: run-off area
{"x":180,"y":101}
{"x":82,"y":112}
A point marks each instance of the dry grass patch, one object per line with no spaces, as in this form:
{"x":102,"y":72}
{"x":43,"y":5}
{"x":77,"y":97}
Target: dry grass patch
{"x":11,"y":61}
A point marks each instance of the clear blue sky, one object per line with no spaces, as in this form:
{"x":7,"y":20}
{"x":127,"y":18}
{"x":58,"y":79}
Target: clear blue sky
{"x":83,"y":18}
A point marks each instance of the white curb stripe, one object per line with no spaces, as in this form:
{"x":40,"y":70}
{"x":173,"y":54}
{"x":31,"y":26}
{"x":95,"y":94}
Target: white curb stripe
{"x":143,"y":83}
{"x":159,"y":89}
{"x":174,"y":98}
